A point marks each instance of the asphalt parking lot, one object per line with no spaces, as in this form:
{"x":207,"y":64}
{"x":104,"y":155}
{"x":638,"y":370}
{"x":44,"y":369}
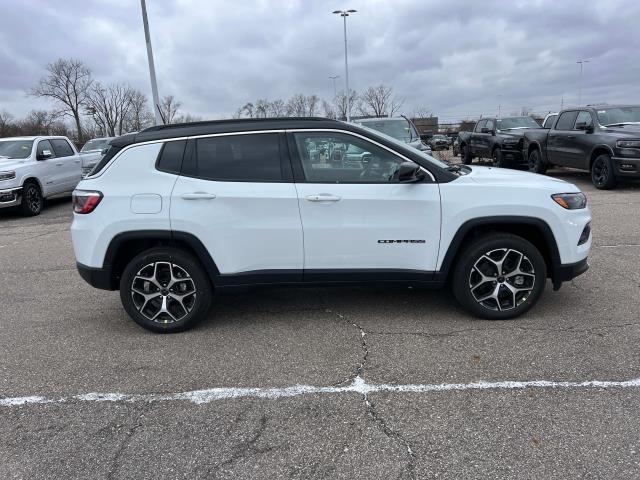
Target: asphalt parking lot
{"x":400,"y":382}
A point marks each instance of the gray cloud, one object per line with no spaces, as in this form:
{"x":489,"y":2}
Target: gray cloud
{"x":456,"y":58}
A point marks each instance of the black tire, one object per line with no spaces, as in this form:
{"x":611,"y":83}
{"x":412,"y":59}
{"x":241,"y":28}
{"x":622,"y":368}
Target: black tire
{"x":162,"y":263}
{"x":469,"y":287}
{"x":32,"y":199}
{"x":497,"y":159}
{"x":602,"y":173}
{"x":536,"y":165}
{"x":465,"y":153}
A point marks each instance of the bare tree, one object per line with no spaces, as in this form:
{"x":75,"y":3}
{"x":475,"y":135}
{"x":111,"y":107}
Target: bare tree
{"x":139,"y":115}
{"x":277,"y":108}
{"x":313,"y":105}
{"x":340,"y":102}
{"x":43,"y":122}
{"x":109,"y":106}
{"x":379,"y":101}
{"x":262,"y":108}
{"x":7,"y":125}
{"x":247,"y":110}
{"x":68,"y":83}
{"x":328,"y":109}
{"x":169,"y":109}
{"x":297,"y":106}
{"x":421,"y":112}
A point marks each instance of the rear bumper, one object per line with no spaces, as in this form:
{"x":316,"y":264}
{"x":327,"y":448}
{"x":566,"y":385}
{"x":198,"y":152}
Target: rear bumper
{"x":11,"y":197}
{"x":626,"y":167}
{"x":567,"y":272}
{"x":96,"y":277}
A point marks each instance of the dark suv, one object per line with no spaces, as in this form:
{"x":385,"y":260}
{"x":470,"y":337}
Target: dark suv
{"x":602,"y":139}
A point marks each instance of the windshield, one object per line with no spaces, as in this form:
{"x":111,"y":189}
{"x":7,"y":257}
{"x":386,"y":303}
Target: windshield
{"x":15,"y":148}
{"x":517,"y":122}
{"x":403,"y":144}
{"x":398,"y":128}
{"x":609,"y":116}
{"x":95,"y":144}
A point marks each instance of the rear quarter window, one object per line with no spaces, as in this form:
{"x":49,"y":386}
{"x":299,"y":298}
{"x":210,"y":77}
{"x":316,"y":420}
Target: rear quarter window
{"x":170,"y":158}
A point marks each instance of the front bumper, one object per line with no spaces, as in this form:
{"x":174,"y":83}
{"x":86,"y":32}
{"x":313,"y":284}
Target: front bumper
{"x":566,"y":272}
{"x":96,"y":277}
{"x":11,"y":197}
{"x":626,"y":167}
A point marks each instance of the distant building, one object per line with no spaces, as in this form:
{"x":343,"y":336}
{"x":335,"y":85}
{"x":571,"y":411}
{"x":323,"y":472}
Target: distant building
{"x":426,"y":126}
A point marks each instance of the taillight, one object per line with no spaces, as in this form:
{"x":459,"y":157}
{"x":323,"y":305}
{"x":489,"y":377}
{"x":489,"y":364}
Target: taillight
{"x":86,"y":201}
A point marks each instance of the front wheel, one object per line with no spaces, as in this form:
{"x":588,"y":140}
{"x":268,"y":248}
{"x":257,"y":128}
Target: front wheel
{"x":465,"y":153}
{"x":497,"y":159}
{"x":602,"y":173}
{"x":165,"y":290}
{"x":499,"y":276}
{"x":536,"y":165}
{"x":32,"y":200}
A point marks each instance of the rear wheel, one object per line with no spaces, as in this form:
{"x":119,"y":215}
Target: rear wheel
{"x":32,"y":200}
{"x":602,"y":173}
{"x":536,"y":165}
{"x":465,"y":153}
{"x":499,"y":276}
{"x":497,"y":159}
{"x":165,"y":290}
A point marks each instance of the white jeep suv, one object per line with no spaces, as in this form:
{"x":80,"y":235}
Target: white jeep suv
{"x":176,"y":212}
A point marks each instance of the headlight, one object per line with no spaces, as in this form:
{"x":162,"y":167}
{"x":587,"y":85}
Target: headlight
{"x":7,"y":175}
{"x":570,"y":201}
{"x":633,"y":143}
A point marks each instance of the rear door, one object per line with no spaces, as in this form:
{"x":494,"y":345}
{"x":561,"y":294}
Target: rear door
{"x":476,"y":138}
{"x":356,"y":217}
{"x":67,"y":163}
{"x":579,"y":147}
{"x":560,"y":138}
{"x":236,"y":194}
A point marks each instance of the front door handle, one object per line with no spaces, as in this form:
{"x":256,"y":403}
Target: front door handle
{"x":198,"y":196}
{"x":569,"y":137}
{"x":59,"y":164}
{"x":323,"y":197}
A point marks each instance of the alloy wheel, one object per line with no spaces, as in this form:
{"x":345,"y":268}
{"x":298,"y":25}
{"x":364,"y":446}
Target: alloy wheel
{"x":600,"y":172}
{"x":163,"y":292}
{"x":32,"y":198}
{"x":502,"y":279}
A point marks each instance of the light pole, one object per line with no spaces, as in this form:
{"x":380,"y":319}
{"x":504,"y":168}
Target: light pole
{"x":344,"y":14}
{"x":152,"y":68}
{"x":581,"y":62}
{"x":333,"y":77}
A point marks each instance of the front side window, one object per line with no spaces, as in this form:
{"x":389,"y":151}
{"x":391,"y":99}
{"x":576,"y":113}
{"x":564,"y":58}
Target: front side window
{"x":62,"y":148}
{"x":236,"y":158}
{"x":42,"y":146}
{"x":566,"y":121}
{"x":480,"y":125}
{"x":340,"y":158}
{"x":490,"y":125}
{"x":584,"y":118}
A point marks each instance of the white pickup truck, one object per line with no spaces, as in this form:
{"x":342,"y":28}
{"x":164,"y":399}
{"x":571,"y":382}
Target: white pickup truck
{"x":33,"y":169}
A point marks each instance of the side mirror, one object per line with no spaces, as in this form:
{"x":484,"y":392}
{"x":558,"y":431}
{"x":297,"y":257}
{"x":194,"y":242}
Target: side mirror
{"x":45,"y":154}
{"x":584,"y":126}
{"x":410,"y":172}
{"x":104,"y":151}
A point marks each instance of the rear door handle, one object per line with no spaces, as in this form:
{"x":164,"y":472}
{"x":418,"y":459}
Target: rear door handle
{"x":570,"y":137}
{"x":323,"y":197}
{"x":59,"y":164}
{"x":198,"y":196}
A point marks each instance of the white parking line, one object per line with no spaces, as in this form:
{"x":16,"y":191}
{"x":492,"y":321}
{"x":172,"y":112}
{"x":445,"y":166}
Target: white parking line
{"x":358,"y":385}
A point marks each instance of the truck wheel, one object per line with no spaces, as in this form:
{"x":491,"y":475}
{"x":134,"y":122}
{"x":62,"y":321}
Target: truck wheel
{"x":499,"y":276}
{"x":497,"y":160}
{"x":536,"y":164}
{"x":165,"y":290}
{"x":32,"y":200}
{"x":602,"y":173}
{"x":466,"y":155}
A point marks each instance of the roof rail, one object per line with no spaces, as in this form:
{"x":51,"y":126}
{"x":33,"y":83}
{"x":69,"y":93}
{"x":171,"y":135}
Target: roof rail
{"x":204,"y":123}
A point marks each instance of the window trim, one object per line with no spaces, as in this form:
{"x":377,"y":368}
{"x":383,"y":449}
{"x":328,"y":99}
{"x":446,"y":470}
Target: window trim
{"x":296,"y":161}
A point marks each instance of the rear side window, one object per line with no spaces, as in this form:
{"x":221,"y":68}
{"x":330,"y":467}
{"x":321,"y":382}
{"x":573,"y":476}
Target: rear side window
{"x":62,"y":148}
{"x":237,"y":158}
{"x":170,"y":158}
{"x":566,"y":121}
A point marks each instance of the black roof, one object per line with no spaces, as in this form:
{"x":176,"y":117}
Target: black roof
{"x":161,"y":132}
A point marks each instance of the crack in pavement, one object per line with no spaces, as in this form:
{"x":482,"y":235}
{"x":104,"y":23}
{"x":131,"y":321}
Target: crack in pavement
{"x":124,"y":443}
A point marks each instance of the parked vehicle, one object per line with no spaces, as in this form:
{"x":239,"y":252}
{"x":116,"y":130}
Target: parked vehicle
{"x":400,"y":128}
{"x":33,"y":169}
{"x":439,"y":142}
{"x":549,"y":120}
{"x":176,"y":212}
{"x":497,"y":139}
{"x":602,"y":139}
{"x":92,"y":152}
{"x":456,"y":147}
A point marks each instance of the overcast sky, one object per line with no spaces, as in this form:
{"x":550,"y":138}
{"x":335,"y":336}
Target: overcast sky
{"x":458,"y":59}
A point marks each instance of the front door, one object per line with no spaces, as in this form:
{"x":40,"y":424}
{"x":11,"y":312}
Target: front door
{"x":356,"y":216}
{"x":560,"y":139}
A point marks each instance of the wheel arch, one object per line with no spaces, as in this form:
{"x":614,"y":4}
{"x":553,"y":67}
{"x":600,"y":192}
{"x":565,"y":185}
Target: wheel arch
{"x":597,"y":151}
{"x":32,"y":179}
{"x":532,"y":229}
{"x":125,"y":246}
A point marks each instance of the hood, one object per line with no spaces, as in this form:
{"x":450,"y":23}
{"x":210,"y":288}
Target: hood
{"x":515,"y":178}
{"x":11,"y":163}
